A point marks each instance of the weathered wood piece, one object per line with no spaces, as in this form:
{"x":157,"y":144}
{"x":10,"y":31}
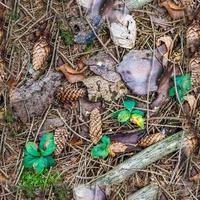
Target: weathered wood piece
{"x":136,"y":4}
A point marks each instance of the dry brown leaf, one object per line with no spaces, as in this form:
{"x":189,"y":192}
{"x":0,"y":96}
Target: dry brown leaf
{"x":71,"y":74}
{"x":3,"y":179}
{"x":195,"y":178}
{"x":65,"y":94}
{"x":117,"y":147}
{"x":167,"y":40}
{"x":151,"y":139}
{"x":191,"y":101}
{"x":189,"y":8}
{"x":41,"y":52}
{"x":191,"y":145}
{"x":175,"y":11}
{"x":95,"y":126}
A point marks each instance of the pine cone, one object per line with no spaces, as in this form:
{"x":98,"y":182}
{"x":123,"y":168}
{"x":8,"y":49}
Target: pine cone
{"x":60,"y":139}
{"x":193,"y":36}
{"x":194,"y":66}
{"x":191,"y":144}
{"x":69,"y":94}
{"x":41,"y":52}
{"x":151,"y":139}
{"x":95,"y":126}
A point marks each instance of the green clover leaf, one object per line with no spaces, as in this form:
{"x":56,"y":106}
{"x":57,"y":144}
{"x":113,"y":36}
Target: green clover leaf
{"x":129,"y":104}
{"x":39,"y":165}
{"x":29,"y":160}
{"x":137,"y":119}
{"x":138,"y":112}
{"x":124,"y":116}
{"x":32,"y":149}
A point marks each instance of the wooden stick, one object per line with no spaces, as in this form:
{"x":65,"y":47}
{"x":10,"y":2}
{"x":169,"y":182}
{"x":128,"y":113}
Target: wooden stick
{"x":136,"y":4}
{"x":149,"y":192}
{"x":143,"y":159}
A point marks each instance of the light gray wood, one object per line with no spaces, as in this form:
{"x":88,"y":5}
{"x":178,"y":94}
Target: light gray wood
{"x":136,"y":4}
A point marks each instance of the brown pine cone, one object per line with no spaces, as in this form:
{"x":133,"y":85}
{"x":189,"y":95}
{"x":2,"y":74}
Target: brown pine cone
{"x":194,"y":66}
{"x":151,"y":139}
{"x":95,"y":126}
{"x":41,"y":52}
{"x":69,"y":94}
{"x":60,"y":137}
{"x":193,"y":36}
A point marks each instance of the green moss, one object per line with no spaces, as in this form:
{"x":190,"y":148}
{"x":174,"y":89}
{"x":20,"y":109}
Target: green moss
{"x":61,"y":192}
{"x":67,"y":37}
{"x":30,"y":182}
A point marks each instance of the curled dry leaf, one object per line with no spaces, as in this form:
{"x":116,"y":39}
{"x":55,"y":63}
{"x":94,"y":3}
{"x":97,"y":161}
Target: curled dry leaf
{"x":192,"y":143}
{"x":103,"y":65}
{"x":191,"y":101}
{"x":194,"y":66}
{"x":136,"y":68}
{"x":193,"y":36}
{"x":151,"y":139}
{"x":41,"y":52}
{"x":65,"y":94}
{"x":117,"y":147}
{"x":60,"y":138}
{"x":167,"y":40}
{"x":175,"y":11}
{"x":71,"y":74}
{"x":195,"y":178}
{"x":95,"y":126}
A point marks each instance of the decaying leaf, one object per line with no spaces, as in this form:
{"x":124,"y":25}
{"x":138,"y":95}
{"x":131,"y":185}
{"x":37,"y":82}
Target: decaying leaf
{"x":194,"y":66}
{"x":123,"y":32}
{"x":195,"y":178}
{"x":103,"y":65}
{"x":83,"y":192}
{"x":41,"y":52}
{"x":163,"y":88}
{"x":193,"y":36}
{"x":71,"y":74}
{"x":192,"y":143}
{"x":95,"y":126}
{"x":65,"y":94}
{"x":60,"y":138}
{"x":175,"y":11}
{"x":33,"y":99}
{"x":191,"y":101}
{"x":98,"y":88}
{"x":117,"y":147}
{"x":151,"y":139}
{"x":167,"y":40}
{"x":136,"y":68}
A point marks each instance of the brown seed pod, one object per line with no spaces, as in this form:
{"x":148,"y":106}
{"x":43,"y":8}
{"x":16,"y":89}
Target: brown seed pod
{"x":69,"y":94}
{"x":95,"y":126}
{"x":191,"y":145}
{"x":151,"y":139}
{"x":41,"y":52}
{"x":60,"y":139}
{"x":193,"y":36}
{"x":194,"y":66}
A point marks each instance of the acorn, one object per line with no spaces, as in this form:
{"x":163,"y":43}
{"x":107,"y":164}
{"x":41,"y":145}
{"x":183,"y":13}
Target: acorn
{"x":41,"y":52}
{"x":95,"y":126}
{"x":65,"y":94}
{"x":151,"y":139}
{"x":194,"y":66}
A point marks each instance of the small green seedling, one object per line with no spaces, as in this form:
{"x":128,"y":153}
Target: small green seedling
{"x":183,"y":85}
{"x":67,"y":37}
{"x":129,"y":114}
{"x":101,"y":150}
{"x":39,"y":157}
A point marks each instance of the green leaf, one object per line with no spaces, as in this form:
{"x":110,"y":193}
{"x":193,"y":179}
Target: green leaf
{"x":129,"y":104}
{"x":29,"y":160}
{"x":105,"y":140}
{"x":99,"y":151}
{"x":32,"y":149}
{"x":67,"y":37}
{"x":172,"y":92}
{"x":124,"y":116}
{"x":138,"y":119}
{"x":116,"y":113}
{"x":47,"y":144}
{"x":39,"y":165}
{"x":138,"y":112}
{"x":50,"y":162}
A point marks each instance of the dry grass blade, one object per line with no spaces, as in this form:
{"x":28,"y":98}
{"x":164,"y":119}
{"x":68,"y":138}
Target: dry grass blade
{"x":95,"y":126}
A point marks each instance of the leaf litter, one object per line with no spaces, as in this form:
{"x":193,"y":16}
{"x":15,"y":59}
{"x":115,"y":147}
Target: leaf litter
{"x":116,"y":85}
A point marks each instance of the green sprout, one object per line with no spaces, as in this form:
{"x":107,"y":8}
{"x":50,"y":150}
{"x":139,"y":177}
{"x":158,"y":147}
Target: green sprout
{"x":66,"y":36}
{"x":183,"y":85}
{"x":39,"y":157}
{"x":129,"y":114}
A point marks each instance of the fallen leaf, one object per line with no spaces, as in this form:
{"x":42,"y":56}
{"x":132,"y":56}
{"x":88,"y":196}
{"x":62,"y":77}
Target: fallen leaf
{"x":189,"y":8}
{"x":175,"y":11}
{"x":136,"y":68}
{"x":195,"y":178}
{"x":192,"y":101}
{"x":117,"y":147}
{"x":72,"y":75}
{"x":76,"y":141}
{"x":167,"y":40}
{"x":3,"y":179}
{"x":192,"y":144}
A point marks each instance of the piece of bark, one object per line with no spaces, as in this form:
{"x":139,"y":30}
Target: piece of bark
{"x":33,"y":99}
{"x":150,"y":192}
{"x":135,"y":4}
